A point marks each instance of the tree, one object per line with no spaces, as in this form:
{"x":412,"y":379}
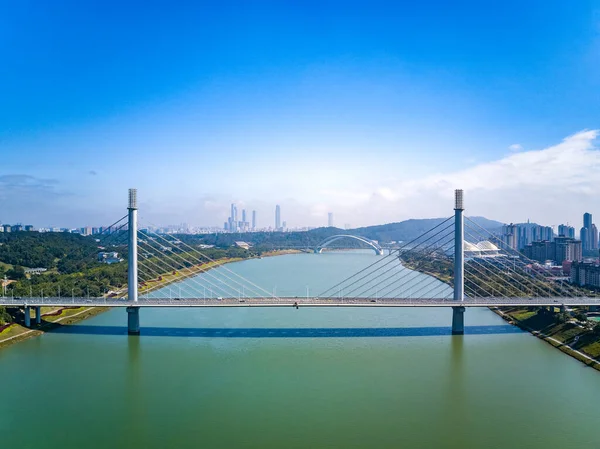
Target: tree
{"x":16,"y":273}
{"x":562,"y":317}
{"x":4,"y":316}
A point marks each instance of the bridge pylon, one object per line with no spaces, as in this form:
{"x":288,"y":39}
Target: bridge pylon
{"x":133,"y":312}
{"x":458,"y":322}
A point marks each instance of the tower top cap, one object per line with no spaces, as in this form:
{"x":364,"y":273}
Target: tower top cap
{"x":458,"y":200}
{"x":132,"y":198}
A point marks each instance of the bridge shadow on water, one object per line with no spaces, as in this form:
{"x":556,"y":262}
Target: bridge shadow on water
{"x":287,"y":332}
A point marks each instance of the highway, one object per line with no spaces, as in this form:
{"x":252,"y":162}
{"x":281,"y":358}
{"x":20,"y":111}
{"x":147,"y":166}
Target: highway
{"x":299,"y":301}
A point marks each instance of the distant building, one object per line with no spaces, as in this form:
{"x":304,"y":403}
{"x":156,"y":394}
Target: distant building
{"x":109,"y":257}
{"x":560,"y":250}
{"x":244,"y":245}
{"x":330,"y":219}
{"x":482,"y":249}
{"x":16,"y":228}
{"x":35,"y":270}
{"x":566,"y":231}
{"x":284,"y":226}
{"x":585,"y":274}
{"x":253,"y":220}
{"x":29,"y":228}
{"x":588,"y":233}
{"x":517,"y":236}
{"x":277,"y":218}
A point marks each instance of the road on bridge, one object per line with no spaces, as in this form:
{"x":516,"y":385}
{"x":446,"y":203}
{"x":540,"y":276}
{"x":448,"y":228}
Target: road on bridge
{"x":299,"y":301}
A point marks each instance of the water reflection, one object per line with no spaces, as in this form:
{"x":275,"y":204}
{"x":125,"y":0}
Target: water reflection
{"x":291,"y":332}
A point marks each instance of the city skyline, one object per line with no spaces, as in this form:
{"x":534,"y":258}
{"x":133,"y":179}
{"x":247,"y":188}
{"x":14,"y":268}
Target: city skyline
{"x":378,"y":116}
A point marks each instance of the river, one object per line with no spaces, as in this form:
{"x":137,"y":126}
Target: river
{"x":287,"y":378}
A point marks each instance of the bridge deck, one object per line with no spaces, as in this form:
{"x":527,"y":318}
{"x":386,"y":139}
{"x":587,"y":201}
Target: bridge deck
{"x":300,"y":301}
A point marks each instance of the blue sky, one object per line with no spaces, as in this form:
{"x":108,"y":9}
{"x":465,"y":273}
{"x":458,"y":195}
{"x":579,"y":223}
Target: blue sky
{"x":372,"y":110}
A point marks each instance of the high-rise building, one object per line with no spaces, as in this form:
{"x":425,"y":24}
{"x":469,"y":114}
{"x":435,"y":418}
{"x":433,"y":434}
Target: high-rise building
{"x":253,"y":220}
{"x":510,"y":235}
{"x":589,"y":233}
{"x":517,"y":236}
{"x":584,"y":236}
{"x":560,"y":250}
{"x":244,"y":215}
{"x":587,"y":220}
{"x":277,"y":217}
{"x":594,"y":237}
{"x":233,"y":219}
{"x":330,"y":219}
{"x":566,"y":231}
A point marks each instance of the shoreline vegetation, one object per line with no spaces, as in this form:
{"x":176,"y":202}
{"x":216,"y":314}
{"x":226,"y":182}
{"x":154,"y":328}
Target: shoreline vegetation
{"x":570,"y":337}
{"x":574,"y":334}
{"x":53,"y":318}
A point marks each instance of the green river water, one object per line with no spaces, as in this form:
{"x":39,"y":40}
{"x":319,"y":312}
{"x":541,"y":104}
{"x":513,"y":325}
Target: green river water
{"x":287,"y":378}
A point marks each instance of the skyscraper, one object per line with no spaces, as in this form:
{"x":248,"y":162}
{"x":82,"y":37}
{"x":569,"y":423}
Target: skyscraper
{"x":253,"y":220}
{"x":566,"y":231}
{"x":588,"y":241}
{"x":243,"y":215}
{"x":330,"y":219}
{"x":584,"y":236}
{"x":587,"y":220}
{"x":277,"y":217}
{"x":233,"y":221}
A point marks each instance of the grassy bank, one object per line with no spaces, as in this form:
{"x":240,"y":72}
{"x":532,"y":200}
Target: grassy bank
{"x":51,"y":319}
{"x":571,"y":337}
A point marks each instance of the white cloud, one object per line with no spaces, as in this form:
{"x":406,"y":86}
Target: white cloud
{"x":516,"y":147}
{"x":553,"y":185}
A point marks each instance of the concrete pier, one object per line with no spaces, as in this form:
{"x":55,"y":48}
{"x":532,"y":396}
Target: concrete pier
{"x":458,"y":312}
{"x":133,"y":320}
{"x":458,"y":320}
{"x":133,"y":313}
{"x":27,"y":316}
{"x":38,"y":315}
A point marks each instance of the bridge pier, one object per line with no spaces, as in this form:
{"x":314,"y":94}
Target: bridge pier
{"x":458,"y":312}
{"x":27,"y":316}
{"x":133,"y":320}
{"x":458,"y":320}
{"x":38,"y":315}
{"x":133,"y":313}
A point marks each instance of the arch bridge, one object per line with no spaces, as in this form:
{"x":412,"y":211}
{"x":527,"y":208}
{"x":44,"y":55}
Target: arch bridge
{"x":325,"y":243}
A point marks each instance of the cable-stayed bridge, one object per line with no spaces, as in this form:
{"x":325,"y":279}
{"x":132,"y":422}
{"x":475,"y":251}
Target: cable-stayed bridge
{"x":428,"y":271}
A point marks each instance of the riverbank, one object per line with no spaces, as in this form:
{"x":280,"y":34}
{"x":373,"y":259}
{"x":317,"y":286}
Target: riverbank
{"x":571,"y":338}
{"x":53,"y":318}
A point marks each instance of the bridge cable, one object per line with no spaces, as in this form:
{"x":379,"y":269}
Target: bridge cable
{"x":407,"y":272}
{"x":207,"y":272}
{"x":413,"y":273}
{"x":404,"y":271}
{"x":260,"y":289}
{"x":521,"y":256}
{"x":176,"y":280}
{"x":533,"y":274}
{"x":192,"y":275}
{"x":381,"y":260}
{"x":487,"y":273}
